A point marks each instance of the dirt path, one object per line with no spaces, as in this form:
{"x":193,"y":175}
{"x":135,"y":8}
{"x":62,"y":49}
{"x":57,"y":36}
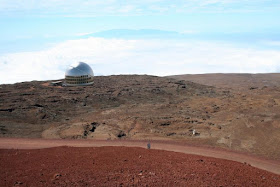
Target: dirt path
{"x":19,"y":143}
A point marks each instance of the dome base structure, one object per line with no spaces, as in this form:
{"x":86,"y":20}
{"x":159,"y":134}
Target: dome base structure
{"x":78,"y":81}
{"x":79,"y":74}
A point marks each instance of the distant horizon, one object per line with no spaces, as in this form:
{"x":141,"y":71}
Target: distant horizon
{"x":39,"y":40}
{"x":51,"y":80}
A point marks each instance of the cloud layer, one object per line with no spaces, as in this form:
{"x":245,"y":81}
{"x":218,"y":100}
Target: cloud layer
{"x":113,"y":7}
{"x":120,"y":56}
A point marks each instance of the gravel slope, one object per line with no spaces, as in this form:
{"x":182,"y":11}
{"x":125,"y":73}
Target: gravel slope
{"x":123,"y":166}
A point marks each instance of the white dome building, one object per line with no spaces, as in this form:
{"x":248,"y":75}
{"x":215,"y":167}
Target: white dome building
{"x":79,"y":74}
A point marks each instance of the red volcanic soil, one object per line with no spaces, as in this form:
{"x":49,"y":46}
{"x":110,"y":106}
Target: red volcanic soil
{"x":124,"y":166}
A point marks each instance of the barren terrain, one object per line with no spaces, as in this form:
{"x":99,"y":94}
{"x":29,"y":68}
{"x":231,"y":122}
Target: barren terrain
{"x":235,"y":112}
{"x":258,"y":162}
{"x":122,"y":166}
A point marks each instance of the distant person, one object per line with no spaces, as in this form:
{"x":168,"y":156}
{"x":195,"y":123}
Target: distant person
{"x":149,"y":145}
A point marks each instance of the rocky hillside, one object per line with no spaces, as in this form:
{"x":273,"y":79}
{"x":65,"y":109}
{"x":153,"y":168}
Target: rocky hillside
{"x":146,"y":107}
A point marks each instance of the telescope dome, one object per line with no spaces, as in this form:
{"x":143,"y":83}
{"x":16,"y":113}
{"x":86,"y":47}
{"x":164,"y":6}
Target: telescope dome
{"x":79,"y":74}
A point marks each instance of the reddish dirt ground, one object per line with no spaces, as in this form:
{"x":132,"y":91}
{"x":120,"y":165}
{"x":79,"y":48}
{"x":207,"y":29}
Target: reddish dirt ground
{"x":124,"y":166}
{"x":258,"y":162}
{"x":24,"y":162}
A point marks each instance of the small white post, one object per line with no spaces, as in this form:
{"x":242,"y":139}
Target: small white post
{"x":193,"y":132}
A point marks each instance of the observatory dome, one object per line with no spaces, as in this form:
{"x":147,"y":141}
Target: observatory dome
{"x":79,"y":74}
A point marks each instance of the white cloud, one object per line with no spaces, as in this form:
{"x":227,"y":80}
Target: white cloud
{"x":156,"y":57}
{"x":113,"y":7}
{"x":272,"y":43}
